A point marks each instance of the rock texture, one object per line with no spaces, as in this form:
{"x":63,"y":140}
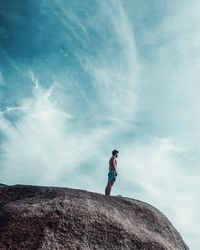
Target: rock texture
{"x":33,"y":217}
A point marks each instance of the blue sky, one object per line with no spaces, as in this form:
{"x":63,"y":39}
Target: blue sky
{"x":78,"y":79}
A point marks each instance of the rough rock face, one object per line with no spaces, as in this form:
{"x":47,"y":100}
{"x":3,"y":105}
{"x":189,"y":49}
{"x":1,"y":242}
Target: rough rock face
{"x":34,"y":217}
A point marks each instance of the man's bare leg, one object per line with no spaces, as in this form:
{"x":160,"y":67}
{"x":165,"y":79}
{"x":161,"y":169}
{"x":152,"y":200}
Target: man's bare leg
{"x":109,"y":187}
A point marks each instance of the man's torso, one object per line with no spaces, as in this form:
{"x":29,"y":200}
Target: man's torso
{"x":112,"y":163}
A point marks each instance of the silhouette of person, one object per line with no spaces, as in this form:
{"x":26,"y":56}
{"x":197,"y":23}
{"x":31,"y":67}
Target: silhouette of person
{"x":112,"y":172}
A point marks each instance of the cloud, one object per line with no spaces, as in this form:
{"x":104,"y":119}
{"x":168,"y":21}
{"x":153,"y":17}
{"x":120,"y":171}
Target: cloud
{"x":169,"y":101}
{"x":39,"y":146}
{"x":62,"y":124}
{"x":115,"y":71}
{"x":157,"y":175}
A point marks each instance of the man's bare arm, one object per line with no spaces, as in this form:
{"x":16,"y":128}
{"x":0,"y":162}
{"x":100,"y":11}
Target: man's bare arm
{"x":114,"y":163}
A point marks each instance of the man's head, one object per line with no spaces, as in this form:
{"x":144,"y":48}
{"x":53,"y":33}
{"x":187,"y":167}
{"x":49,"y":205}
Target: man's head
{"x":115,"y":153}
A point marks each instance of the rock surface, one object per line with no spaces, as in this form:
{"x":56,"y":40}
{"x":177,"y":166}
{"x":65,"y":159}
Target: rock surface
{"x":33,"y":217}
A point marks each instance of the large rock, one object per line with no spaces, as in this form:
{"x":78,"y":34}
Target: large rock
{"x":34,"y":217}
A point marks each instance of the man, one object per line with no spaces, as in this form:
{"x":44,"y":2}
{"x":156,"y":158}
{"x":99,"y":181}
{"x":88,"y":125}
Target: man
{"x":112,"y":172}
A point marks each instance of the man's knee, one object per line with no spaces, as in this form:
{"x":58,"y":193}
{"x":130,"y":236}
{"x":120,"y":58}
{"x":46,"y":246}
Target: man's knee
{"x":112,"y":182}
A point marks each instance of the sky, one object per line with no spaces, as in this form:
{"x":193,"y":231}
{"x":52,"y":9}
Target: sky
{"x":81,"y":78}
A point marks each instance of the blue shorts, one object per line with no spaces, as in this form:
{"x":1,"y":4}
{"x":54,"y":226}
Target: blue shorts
{"x":112,"y":176}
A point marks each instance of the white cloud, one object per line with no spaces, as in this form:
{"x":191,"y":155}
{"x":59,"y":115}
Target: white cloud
{"x":43,"y":142}
{"x":39,"y":146}
{"x":115,"y":72}
{"x":170,"y":101}
{"x":163,"y":182}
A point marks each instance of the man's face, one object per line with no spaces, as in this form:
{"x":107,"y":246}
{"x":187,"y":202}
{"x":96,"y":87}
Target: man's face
{"x":116,"y":155}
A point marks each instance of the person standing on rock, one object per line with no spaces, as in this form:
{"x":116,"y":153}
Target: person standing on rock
{"x":112,"y":172}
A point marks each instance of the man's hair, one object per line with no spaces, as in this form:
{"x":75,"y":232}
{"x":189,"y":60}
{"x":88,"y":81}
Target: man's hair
{"x":114,"y":152}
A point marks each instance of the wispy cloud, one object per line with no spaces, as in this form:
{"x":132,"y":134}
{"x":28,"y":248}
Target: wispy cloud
{"x":42,"y":145}
{"x":12,"y":110}
{"x":116,"y":77}
{"x":169,"y":102}
{"x":157,"y":174}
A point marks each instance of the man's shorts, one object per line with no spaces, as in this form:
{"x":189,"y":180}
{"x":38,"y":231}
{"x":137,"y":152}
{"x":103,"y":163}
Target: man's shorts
{"x":112,"y":176}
